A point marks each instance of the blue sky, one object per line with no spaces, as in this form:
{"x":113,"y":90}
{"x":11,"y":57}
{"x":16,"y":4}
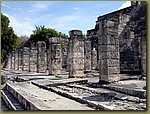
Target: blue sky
{"x":61,"y":16}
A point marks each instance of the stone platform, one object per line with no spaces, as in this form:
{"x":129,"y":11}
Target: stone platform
{"x":44,"y":92}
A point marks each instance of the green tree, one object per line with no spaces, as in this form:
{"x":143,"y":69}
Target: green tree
{"x":8,"y":38}
{"x":43,"y":34}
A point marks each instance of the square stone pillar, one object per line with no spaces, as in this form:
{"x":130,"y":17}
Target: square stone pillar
{"x":25,"y":66}
{"x":143,"y":55}
{"x":87,"y":56}
{"x":109,"y":64}
{"x":16,"y":59}
{"x":76,"y":54}
{"x":94,"y":59}
{"x":11,"y":60}
{"x":50,"y":57}
{"x":33,"y":59}
{"x":20,"y":59}
{"x":56,"y":57}
{"x":41,"y":57}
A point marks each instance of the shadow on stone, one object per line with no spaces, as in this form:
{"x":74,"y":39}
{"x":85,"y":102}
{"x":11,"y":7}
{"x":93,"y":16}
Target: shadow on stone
{"x":103,"y":97}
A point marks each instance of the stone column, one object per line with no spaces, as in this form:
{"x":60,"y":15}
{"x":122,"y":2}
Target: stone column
{"x":64,"y":54}
{"x":25,"y":66}
{"x":50,"y":58}
{"x":94,"y":59}
{"x":7,"y":62}
{"x":41,"y":57}
{"x":11,"y":60}
{"x":33,"y":59}
{"x":55,"y":56}
{"x":109,"y":65}
{"x":143,"y":55}
{"x":76,"y":54}
{"x":16,"y":59}
{"x":20,"y":58}
{"x":68,"y":55}
{"x":87,"y":56}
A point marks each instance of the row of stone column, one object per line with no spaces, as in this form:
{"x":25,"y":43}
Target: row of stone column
{"x":79,"y":57}
{"x":32,"y":59}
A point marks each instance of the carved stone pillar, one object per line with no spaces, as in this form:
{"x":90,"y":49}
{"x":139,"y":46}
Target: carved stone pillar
{"x":76,"y":54}
{"x":109,"y":64}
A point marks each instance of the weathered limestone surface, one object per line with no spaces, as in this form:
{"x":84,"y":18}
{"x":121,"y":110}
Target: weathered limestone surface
{"x":56,"y":53}
{"x":109,"y":65}
{"x":76,"y":57}
{"x":20,"y":61}
{"x":87,"y":56}
{"x":11,"y":55}
{"x":25,"y":59}
{"x":33,"y":59}
{"x":41,"y":57}
{"x":16,"y":59}
{"x":94,"y":63}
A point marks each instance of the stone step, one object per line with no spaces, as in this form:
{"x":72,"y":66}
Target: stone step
{"x":35,"y":98}
{"x":11,"y":102}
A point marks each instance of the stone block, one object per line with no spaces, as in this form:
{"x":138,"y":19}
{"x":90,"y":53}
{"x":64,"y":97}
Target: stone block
{"x":110,"y":55}
{"x":109,"y":70}
{"x":110,"y":78}
{"x":108,"y":39}
{"x":108,"y":48}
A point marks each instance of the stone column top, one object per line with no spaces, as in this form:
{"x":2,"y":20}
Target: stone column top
{"x":75,"y":32}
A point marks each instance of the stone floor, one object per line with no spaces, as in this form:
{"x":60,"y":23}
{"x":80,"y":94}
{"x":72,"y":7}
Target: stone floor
{"x":63,"y":93}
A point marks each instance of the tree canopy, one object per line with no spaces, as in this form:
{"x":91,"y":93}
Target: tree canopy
{"x":9,"y":41}
{"x":43,"y":34}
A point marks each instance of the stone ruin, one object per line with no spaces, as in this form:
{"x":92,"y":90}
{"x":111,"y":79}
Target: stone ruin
{"x":116,"y":45}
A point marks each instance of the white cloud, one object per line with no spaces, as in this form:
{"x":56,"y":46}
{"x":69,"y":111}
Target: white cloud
{"x":41,"y":5}
{"x":38,"y":6}
{"x":124,"y":5}
{"x":76,"y":8}
{"x":27,"y":19}
{"x":20,"y":27}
